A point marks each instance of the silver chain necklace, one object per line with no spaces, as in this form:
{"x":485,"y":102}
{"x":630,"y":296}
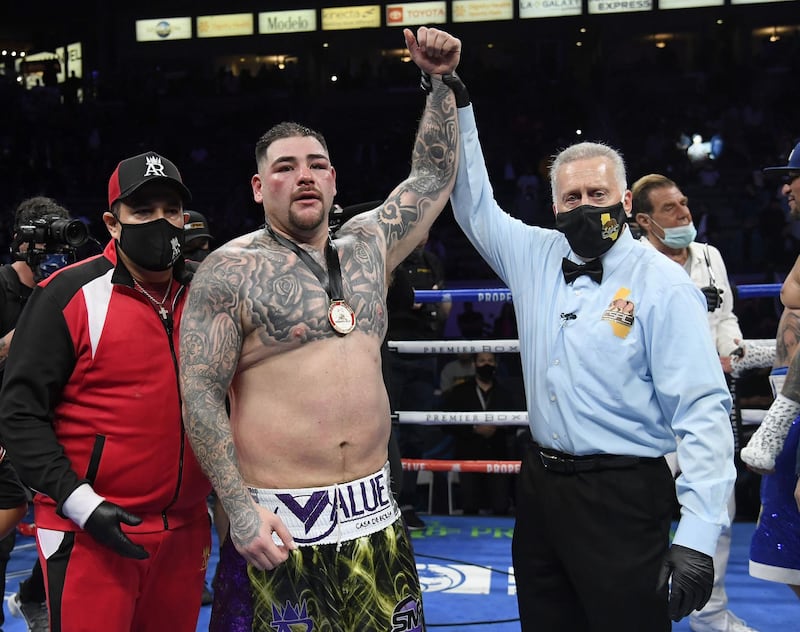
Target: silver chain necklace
{"x":162,"y":311}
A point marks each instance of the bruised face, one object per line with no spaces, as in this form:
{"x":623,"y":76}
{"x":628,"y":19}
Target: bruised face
{"x":296,"y":184}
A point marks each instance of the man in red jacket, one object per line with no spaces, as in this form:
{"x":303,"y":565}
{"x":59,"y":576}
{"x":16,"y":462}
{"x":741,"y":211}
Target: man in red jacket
{"x":91,"y":414}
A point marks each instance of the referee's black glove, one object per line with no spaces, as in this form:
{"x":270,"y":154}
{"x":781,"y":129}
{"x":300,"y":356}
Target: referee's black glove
{"x":692,"y":579}
{"x":103,"y":525}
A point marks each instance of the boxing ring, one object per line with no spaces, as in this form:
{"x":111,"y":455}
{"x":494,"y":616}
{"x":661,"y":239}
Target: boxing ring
{"x":426,"y":467}
{"x":507,"y":418}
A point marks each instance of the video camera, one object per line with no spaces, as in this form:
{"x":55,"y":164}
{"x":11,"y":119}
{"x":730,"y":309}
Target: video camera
{"x":55,"y":232}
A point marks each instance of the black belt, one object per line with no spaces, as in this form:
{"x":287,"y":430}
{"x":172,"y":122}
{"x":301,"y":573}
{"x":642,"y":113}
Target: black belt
{"x":563,"y":463}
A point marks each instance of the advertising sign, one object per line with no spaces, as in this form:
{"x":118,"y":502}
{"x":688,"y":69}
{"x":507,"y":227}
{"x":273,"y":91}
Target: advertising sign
{"x":549,"y":8}
{"x":228,"y":25}
{"x":482,"y":10}
{"x":297,"y":21}
{"x":619,"y":6}
{"x":362,"y":17}
{"x":162,"y":29}
{"x":413,"y":13}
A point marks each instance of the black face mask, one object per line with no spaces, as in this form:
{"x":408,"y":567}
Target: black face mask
{"x":485,"y":372}
{"x":154,"y":246}
{"x":591,"y":230}
{"x":198,"y":254}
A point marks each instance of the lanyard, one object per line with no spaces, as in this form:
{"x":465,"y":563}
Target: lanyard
{"x":340,"y":315}
{"x":332,"y":281}
{"x":484,"y":399}
{"x":711,"y":278}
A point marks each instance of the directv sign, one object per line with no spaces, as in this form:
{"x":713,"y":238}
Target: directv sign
{"x":162,"y":29}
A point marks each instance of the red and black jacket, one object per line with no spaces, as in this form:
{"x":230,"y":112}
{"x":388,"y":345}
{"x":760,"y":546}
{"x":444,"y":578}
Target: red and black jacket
{"x":91,"y":394}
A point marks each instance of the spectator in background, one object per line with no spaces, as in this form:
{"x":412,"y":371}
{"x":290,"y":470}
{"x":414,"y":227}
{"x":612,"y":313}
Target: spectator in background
{"x":471,"y":323}
{"x":505,"y":325}
{"x":482,"y":441}
{"x":197,"y":238}
{"x":662,"y":212}
{"x":457,"y":371}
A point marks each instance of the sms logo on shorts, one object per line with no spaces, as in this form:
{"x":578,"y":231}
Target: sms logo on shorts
{"x":407,"y":616}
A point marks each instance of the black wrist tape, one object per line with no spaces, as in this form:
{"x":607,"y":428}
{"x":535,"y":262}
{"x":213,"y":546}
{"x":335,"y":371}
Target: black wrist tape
{"x":453,"y":81}
{"x":425,"y":82}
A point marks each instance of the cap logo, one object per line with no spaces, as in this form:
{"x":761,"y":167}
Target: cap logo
{"x":154,"y":167}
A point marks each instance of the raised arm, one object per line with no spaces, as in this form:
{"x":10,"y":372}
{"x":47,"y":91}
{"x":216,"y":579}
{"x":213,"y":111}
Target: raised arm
{"x":414,"y":204}
{"x":210,"y":343}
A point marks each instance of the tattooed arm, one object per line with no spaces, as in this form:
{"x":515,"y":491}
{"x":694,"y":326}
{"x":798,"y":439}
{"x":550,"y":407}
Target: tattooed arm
{"x":211,"y":342}
{"x":411,"y":208}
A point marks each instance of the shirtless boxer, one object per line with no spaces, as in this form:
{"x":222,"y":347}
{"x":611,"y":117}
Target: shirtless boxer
{"x":288,"y":324}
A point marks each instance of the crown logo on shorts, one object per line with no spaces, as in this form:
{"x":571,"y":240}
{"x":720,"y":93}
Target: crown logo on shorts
{"x":284,"y":618}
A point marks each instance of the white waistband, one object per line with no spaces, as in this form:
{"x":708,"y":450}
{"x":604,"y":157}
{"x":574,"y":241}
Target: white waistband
{"x":336,"y":513}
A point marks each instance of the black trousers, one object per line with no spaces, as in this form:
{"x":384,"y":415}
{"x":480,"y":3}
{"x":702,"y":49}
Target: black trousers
{"x":588,"y":547}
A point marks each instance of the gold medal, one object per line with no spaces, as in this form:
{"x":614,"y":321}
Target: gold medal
{"x":341,"y":317}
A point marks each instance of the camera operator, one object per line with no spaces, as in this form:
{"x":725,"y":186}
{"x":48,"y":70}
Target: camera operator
{"x":45,"y":239}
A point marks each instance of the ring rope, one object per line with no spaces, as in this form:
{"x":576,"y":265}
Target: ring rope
{"x":505,"y":345}
{"x":499,"y":418}
{"x":503,"y":294}
{"x":449,"y":465}
{"x":444,"y":418}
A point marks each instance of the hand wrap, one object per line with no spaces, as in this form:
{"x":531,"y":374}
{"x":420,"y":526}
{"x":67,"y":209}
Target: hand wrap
{"x":452,"y":81}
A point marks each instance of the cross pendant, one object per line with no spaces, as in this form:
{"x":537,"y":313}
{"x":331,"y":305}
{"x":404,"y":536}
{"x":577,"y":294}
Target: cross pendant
{"x":163,"y":312}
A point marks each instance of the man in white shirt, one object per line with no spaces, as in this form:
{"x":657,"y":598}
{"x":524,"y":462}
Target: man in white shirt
{"x":662,"y":212}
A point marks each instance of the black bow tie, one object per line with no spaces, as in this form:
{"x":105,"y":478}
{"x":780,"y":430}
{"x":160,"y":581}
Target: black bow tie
{"x":572,"y":270}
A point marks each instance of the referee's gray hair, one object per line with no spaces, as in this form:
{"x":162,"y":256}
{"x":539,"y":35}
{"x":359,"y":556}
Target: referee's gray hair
{"x":583,"y":151}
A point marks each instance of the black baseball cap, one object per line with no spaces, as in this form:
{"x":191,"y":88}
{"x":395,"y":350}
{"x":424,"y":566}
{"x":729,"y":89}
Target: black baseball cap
{"x":134,"y":172}
{"x":792,"y":167}
{"x":196,"y":226}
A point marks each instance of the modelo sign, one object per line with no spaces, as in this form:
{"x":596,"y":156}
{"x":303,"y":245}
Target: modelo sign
{"x":299,"y":21}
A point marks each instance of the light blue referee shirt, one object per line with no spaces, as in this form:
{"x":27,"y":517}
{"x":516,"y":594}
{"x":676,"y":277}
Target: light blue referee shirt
{"x":634,"y":368}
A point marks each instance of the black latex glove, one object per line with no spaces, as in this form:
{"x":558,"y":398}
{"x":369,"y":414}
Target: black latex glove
{"x":713,"y":296}
{"x":692,"y":579}
{"x":104,"y":526}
